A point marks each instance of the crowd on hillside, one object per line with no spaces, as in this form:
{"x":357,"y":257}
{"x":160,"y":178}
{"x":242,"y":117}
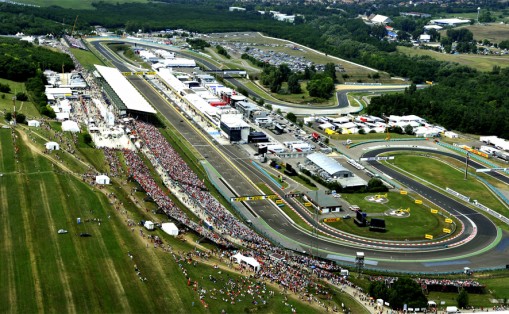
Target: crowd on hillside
{"x":181,"y":174}
{"x":139,"y":172}
{"x":75,"y":42}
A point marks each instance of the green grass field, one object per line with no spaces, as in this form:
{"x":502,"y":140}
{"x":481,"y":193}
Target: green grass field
{"x":25,"y":107}
{"x":494,"y":32}
{"x":420,"y":222}
{"x":86,"y":58}
{"x":482,"y":63}
{"x":75,"y":4}
{"x":443,"y":175}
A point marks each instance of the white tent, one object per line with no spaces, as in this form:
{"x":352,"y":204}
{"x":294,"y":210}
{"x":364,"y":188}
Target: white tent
{"x":102,"y":179}
{"x":149,"y":225}
{"x":251,"y":261}
{"x":52,"y":146}
{"x":34,"y":123}
{"x":170,"y":228}
{"x":62,"y":115}
{"x":70,"y":126}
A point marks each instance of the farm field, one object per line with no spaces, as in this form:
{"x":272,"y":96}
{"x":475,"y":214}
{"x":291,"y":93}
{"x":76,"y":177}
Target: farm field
{"x":75,"y":4}
{"x":482,"y":63}
{"x":494,"y":32}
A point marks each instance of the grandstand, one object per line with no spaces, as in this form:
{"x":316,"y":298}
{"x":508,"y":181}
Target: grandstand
{"x":126,"y":99}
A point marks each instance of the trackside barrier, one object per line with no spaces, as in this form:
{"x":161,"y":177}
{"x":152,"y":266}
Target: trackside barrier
{"x":472,"y":156}
{"x":266,"y":174}
{"x":241,"y":213}
{"x":391,"y":140}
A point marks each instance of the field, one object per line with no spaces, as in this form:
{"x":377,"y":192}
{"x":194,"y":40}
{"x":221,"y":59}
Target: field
{"x":494,"y":32}
{"x":443,"y":175}
{"x":74,"y":4}
{"x":86,"y":58}
{"x":420,"y":221}
{"x":479,"y":62}
{"x":6,"y":104}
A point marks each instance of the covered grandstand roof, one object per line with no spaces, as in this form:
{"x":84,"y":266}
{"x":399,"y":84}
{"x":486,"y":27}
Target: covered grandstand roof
{"x":328,"y":164}
{"x":131,"y":98}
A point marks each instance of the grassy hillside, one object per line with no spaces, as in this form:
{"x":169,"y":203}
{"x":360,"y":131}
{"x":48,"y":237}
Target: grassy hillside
{"x":479,"y":62}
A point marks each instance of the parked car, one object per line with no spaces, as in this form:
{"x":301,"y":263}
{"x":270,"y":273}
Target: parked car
{"x":62,"y":231}
{"x":85,"y":235}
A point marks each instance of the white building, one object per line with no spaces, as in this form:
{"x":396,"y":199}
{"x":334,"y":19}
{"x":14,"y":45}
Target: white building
{"x":425,"y":38}
{"x":380,"y":19}
{"x":449,"y":22}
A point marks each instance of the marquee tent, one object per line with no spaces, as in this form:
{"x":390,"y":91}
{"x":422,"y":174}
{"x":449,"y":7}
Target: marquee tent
{"x":170,"y":228}
{"x":251,"y":261}
{"x":102,"y":179}
{"x":34,"y":123}
{"x":52,"y":146}
{"x":70,"y":126}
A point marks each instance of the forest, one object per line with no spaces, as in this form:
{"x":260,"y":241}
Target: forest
{"x":464,"y":100}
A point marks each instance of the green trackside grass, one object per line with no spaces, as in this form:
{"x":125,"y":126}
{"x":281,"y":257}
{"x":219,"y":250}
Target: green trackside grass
{"x":25,"y":107}
{"x":86,"y":58}
{"x":444,"y":175}
{"x":420,"y":222}
{"x":75,"y":4}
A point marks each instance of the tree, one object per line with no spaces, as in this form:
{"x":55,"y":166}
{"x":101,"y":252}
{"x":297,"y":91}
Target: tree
{"x":8,"y":116}
{"x":462,"y":298}
{"x":376,"y":185}
{"x":406,"y":291}
{"x":409,"y":130}
{"x":291,"y":117}
{"x":378,"y":290}
{"x":379,"y":31}
{"x":21,"y":96}
{"x":294,"y":85}
{"x":20,"y":118}
{"x":321,"y":87}
{"x":330,"y":71}
{"x":87,"y":138}
{"x":5,"y":88}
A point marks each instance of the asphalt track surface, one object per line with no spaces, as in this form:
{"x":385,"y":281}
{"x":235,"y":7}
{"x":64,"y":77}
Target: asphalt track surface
{"x":387,"y":256}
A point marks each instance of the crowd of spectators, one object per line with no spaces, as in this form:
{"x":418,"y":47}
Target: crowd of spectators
{"x":139,"y":172}
{"x":75,"y":43}
{"x":185,"y":177}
